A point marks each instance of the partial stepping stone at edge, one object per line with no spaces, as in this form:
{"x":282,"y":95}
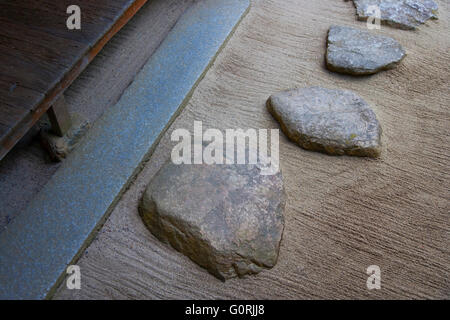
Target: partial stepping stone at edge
{"x":403,"y":14}
{"x":335,"y":122}
{"x":358,"y":52}
{"x":228,"y":219}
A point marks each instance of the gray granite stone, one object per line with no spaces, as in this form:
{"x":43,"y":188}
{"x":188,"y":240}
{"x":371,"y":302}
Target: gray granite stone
{"x":359,"y":52}
{"x":336,"y":122}
{"x":228,"y":219}
{"x":59,"y":148}
{"x":403,"y":14}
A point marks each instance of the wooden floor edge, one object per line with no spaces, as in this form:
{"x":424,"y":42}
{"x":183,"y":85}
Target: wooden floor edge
{"x":17,"y":133}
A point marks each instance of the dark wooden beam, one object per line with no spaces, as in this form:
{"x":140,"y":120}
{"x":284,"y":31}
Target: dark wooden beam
{"x":19,"y":70}
{"x":59,"y":117}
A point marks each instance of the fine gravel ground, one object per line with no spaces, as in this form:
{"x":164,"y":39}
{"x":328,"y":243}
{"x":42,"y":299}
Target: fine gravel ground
{"x":343,"y":214}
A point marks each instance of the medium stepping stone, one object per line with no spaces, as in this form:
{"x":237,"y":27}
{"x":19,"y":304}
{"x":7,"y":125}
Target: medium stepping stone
{"x":228,"y":219}
{"x":359,"y":52}
{"x":403,"y":14}
{"x":335,"y":122}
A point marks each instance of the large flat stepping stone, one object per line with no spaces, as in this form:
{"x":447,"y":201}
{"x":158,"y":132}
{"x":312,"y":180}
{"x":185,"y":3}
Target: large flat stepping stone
{"x":358,"y":52}
{"x":228,"y":219}
{"x":403,"y":14}
{"x":335,"y":122}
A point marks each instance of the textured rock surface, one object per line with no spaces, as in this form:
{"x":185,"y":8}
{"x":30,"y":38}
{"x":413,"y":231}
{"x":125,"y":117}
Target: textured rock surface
{"x":336,"y":122}
{"x":59,"y":147}
{"x":404,"y":14}
{"x":360,"y":52}
{"x":228,"y":219}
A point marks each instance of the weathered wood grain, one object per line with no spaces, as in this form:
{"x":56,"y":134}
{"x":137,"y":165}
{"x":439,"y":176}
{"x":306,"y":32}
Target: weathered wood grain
{"x":40,"y":57}
{"x":343,"y":213}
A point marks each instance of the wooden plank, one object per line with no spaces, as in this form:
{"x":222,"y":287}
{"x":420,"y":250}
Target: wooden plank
{"x":41,"y":57}
{"x":17,"y":94}
{"x":97,"y":16}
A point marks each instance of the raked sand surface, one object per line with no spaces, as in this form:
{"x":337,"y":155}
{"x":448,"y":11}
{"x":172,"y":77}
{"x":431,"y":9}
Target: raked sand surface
{"x":343,"y":214}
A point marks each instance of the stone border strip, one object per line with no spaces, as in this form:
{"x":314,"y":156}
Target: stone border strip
{"x":63,"y":218}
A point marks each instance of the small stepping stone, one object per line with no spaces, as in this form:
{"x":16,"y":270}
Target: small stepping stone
{"x":358,"y":52}
{"x":335,"y":122}
{"x":403,"y":14}
{"x":228,"y":219}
